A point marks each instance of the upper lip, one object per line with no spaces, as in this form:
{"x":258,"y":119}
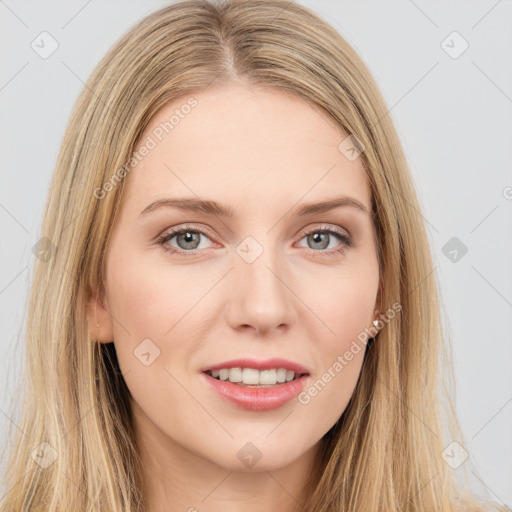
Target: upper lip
{"x":266,"y":364}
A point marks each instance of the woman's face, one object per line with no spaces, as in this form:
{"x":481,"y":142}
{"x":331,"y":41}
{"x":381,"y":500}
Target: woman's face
{"x":261,"y":283}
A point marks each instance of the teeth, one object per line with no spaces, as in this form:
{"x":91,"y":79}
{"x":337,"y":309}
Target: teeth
{"x":235,"y":375}
{"x":251,"y":376}
{"x":281,"y":375}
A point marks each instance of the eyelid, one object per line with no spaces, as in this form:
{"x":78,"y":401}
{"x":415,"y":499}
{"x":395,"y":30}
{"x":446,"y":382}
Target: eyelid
{"x":174,"y":231}
{"x":327,"y":227}
{"x":320,"y":226}
{"x":344,"y":236}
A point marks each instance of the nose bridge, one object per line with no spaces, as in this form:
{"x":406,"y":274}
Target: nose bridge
{"x":261,"y":297}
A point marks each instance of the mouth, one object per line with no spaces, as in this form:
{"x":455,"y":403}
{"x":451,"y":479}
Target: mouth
{"x":253,"y":389}
{"x":254,"y":378}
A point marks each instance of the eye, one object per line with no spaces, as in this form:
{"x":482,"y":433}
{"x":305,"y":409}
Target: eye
{"x":320,"y":238}
{"x":188,"y":240}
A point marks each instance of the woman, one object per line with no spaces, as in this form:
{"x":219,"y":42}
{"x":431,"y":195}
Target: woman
{"x":239,"y":310}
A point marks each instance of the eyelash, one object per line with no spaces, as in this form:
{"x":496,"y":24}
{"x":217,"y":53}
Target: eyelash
{"x":346,"y":240}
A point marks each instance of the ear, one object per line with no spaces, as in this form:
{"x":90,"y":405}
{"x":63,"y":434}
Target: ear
{"x":99,"y":319}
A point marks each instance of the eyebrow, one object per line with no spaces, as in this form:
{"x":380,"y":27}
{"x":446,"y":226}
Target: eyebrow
{"x":213,"y":208}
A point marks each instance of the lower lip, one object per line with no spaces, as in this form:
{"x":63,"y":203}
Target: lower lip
{"x":257,"y":399}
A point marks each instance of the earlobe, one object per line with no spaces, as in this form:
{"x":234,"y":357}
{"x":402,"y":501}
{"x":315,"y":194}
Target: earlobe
{"x":99,"y":320}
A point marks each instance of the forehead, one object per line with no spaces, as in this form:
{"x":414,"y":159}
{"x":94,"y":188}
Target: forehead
{"x":242,"y":144}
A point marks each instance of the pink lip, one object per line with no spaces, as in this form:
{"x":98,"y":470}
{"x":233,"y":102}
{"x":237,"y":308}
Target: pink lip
{"x":267,"y":364}
{"x":256,"y":399}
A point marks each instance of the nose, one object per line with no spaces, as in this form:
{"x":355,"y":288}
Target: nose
{"x":261,"y":297}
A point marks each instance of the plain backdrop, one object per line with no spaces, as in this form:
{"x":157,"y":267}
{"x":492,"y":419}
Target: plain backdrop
{"x":445,"y":70}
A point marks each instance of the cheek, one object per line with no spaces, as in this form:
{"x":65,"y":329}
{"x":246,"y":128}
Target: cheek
{"x":347,"y":311}
{"x":139,"y":302}
{"x":154,"y":308}
{"x":148,"y":298}
{"x":348,"y":307}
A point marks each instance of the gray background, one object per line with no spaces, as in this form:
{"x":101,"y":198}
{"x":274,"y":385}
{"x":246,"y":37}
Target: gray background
{"x":454,"y":119}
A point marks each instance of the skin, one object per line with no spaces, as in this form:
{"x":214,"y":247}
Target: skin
{"x":263,"y":152}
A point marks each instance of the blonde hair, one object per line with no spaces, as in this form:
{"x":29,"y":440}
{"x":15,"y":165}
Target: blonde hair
{"x":385,"y":451}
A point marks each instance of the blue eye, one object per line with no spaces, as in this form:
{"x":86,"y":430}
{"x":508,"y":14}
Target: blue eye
{"x":189,"y":240}
{"x":321,"y":236}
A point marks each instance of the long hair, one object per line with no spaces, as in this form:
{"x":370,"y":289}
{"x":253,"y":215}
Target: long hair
{"x":75,"y":448}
